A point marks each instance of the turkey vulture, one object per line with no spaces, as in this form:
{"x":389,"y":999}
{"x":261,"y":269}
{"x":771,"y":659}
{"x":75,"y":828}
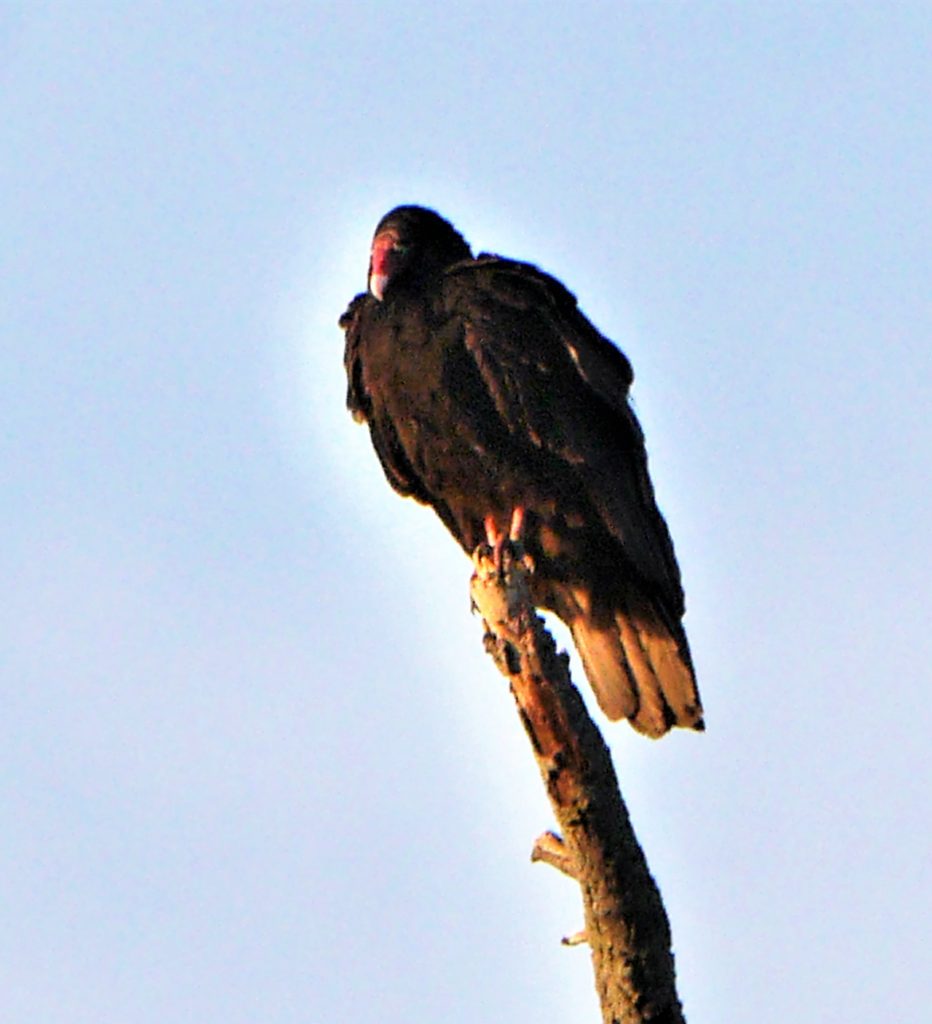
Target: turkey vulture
{"x":491,"y":397}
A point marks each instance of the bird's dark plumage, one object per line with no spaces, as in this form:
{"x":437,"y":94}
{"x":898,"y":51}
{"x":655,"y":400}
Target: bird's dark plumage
{"x":485,"y":390}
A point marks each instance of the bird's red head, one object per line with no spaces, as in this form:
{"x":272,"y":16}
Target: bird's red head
{"x":412,"y":244}
{"x":385,"y":260}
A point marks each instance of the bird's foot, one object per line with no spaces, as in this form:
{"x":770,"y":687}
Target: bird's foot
{"x":505,"y":548}
{"x":499,"y":589}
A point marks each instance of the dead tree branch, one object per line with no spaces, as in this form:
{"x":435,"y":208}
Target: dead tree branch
{"x":626,"y":925}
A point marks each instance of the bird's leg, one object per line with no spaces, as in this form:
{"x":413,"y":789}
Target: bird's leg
{"x":492,"y":535}
{"x":516,"y":532}
{"x":516,"y":543}
{"x":496,"y":540}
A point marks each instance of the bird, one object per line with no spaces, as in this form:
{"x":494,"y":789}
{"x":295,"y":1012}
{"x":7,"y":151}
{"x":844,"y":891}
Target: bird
{"x":492,"y":398}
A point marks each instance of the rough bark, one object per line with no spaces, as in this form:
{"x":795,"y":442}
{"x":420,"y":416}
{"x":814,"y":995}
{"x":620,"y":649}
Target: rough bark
{"x":626,"y":925}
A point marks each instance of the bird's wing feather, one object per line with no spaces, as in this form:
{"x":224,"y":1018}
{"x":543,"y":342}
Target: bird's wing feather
{"x":395,"y":463}
{"x":357,"y":400}
{"x":558,"y":382}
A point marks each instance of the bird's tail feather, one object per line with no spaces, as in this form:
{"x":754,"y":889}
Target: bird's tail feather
{"x":638,"y":670}
{"x":607,"y":669}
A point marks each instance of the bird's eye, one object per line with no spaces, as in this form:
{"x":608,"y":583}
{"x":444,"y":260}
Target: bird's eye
{"x":400,"y":248}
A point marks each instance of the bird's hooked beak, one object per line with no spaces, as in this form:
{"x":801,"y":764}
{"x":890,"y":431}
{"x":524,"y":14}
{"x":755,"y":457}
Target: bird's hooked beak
{"x":382,"y":262}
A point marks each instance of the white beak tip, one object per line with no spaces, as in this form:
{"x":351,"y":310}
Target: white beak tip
{"x":377,"y":283}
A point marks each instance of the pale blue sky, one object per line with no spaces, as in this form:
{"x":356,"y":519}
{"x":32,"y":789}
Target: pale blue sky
{"x":254,"y":766}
